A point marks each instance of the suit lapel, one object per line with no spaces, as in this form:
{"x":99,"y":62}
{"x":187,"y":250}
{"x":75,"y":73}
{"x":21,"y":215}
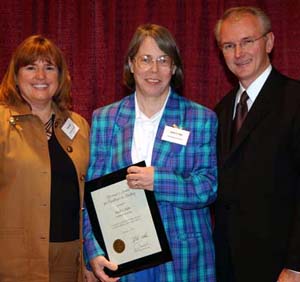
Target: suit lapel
{"x":263,"y":104}
{"x":224,"y":111}
{"x":124,"y":133}
{"x":226,"y":128}
{"x":173,"y":115}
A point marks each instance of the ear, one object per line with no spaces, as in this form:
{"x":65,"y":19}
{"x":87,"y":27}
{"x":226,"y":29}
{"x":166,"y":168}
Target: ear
{"x":270,"y":42}
{"x":174,"y":70}
{"x":130,"y":65}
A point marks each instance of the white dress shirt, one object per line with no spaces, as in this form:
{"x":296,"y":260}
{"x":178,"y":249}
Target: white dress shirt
{"x":144,"y":133}
{"x":253,"y":89}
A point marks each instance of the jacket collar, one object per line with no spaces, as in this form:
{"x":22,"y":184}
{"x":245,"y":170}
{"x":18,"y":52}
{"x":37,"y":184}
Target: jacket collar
{"x":173,"y":115}
{"x":23,"y":109}
{"x":262,"y":106}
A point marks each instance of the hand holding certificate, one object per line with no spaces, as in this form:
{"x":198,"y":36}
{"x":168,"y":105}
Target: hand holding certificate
{"x":126,"y":223}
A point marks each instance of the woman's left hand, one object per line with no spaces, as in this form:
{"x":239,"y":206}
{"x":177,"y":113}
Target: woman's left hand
{"x":140,"y":177}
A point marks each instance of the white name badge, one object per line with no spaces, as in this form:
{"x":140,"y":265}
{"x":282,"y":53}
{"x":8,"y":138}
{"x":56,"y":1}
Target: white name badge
{"x":70,"y":128}
{"x":175,"y":135}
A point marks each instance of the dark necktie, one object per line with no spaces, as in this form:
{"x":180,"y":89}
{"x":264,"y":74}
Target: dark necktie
{"x":240,"y":114}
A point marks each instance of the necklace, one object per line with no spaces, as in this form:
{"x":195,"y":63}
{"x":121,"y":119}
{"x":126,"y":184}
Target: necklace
{"x":49,"y":127}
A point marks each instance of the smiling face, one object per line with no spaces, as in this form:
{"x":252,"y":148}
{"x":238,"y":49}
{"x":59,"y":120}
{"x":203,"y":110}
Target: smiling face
{"x":155,"y":80}
{"x":246,"y":64}
{"x":38,"y":82}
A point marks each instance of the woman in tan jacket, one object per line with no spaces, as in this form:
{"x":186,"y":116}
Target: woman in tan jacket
{"x":44,"y":154}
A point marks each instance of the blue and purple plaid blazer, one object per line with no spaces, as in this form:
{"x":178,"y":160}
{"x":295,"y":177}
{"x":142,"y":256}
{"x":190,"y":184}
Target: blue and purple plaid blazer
{"x":185,"y":181}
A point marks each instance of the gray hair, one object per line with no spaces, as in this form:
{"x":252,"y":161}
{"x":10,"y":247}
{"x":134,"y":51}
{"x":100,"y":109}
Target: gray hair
{"x":239,"y":11}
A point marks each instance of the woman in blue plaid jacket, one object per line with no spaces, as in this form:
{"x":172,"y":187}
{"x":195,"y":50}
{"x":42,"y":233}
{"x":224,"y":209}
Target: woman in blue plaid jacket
{"x":180,"y":170}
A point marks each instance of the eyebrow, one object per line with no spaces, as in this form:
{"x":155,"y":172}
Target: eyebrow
{"x":244,"y":38}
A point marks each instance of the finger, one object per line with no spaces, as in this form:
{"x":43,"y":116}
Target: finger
{"x":112,"y":266}
{"x":102,"y":276}
{"x":130,"y":182}
{"x":131,"y":177}
{"x":133,"y":184}
{"x":136,"y":184}
{"x":133,"y":169}
{"x":98,"y":264}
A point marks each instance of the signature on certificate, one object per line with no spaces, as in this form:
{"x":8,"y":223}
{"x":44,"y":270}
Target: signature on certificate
{"x":140,"y":242}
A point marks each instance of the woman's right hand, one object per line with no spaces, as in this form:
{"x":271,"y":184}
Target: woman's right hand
{"x":89,"y":276}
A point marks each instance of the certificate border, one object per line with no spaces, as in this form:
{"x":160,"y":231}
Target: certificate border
{"x":142,"y":263}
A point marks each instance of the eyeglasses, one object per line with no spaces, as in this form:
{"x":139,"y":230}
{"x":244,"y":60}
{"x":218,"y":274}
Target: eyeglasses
{"x":146,"y":61}
{"x":245,"y":44}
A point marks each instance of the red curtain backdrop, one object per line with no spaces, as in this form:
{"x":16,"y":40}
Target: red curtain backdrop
{"x":94,"y":35}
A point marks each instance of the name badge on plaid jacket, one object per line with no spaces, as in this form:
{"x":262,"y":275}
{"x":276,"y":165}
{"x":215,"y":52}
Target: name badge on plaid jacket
{"x":175,"y":135}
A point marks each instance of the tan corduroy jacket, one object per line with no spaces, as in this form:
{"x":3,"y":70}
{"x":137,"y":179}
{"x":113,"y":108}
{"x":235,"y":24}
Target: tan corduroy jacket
{"x":25,"y":178}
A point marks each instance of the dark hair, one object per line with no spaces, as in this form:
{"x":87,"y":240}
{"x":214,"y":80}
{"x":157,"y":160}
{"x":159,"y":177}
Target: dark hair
{"x":165,"y":42}
{"x":36,"y":47}
{"x":239,"y":11}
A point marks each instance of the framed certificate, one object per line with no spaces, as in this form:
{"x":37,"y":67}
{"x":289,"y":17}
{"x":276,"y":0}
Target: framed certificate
{"x":126,"y":223}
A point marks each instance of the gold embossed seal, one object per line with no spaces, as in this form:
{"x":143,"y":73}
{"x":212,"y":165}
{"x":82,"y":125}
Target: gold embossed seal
{"x":119,"y":245}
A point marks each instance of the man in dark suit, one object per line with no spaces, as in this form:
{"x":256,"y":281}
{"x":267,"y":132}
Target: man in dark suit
{"x":257,"y":227}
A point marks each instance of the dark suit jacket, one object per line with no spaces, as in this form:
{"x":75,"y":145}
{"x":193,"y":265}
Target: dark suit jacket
{"x":257,"y":231}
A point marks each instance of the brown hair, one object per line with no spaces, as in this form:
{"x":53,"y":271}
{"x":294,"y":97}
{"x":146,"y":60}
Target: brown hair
{"x":36,"y":47}
{"x":238,"y":11}
{"x":165,"y":42}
